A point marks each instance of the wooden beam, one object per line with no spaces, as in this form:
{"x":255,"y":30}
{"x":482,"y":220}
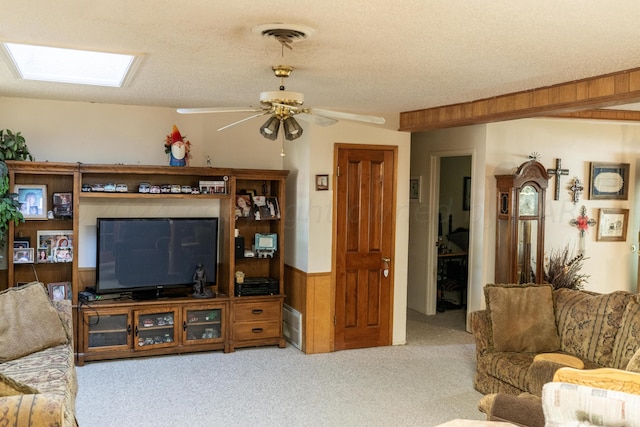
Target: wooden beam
{"x":596,"y":92}
{"x":618,"y":115}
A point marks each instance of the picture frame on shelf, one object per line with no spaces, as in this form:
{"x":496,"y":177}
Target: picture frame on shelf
{"x":62,"y":254}
{"x":49,"y":241}
{"x":59,"y":291}
{"x":23,"y":255}
{"x":609,"y":181}
{"x":243,"y":205}
{"x":32,"y":199}
{"x":322,"y":182}
{"x":62,"y":205}
{"x":415,"y":186}
{"x":612,"y":225}
{"x":43,"y":256}
{"x":21,"y":243}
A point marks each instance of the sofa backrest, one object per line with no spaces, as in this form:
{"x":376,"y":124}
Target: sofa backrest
{"x":588,"y":322}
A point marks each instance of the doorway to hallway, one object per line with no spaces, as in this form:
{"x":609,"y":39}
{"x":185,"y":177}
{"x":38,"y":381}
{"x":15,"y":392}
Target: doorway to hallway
{"x":454,"y":212}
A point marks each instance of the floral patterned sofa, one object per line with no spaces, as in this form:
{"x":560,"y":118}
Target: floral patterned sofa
{"x":37,"y":388}
{"x":602,"y":330}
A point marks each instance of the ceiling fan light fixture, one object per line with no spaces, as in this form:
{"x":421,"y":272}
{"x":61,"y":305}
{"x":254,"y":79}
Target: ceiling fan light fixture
{"x":292,"y":129}
{"x":270,"y":128}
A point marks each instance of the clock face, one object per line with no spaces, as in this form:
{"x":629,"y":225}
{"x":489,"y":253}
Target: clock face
{"x":528,"y":201}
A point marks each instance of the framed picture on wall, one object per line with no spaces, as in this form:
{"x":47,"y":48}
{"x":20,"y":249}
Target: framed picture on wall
{"x":609,"y":181}
{"x":612,"y":225}
{"x":415,"y":186}
{"x":466,"y":193}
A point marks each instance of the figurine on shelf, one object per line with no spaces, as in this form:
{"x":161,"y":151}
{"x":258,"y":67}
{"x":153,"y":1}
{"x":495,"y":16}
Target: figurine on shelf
{"x":177,"y":147}
{"x":200,"y":289}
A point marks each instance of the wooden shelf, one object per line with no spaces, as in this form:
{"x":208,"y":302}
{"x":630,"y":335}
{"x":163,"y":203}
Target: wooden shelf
{"x":70,"y":177}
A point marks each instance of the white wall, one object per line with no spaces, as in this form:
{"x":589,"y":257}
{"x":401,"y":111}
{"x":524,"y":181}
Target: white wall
{"x":103,"y":133}
{"x":426,"y":149}
{"x":611,"y":265}
{"x":315,"y":208}
{"x":499,"y":148}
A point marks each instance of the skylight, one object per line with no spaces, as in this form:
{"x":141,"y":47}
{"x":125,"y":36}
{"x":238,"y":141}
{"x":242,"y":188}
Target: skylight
{"x":56,"y":64}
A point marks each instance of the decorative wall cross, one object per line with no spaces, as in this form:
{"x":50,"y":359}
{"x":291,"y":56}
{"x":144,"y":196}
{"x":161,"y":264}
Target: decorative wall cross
{"x":576,"y":188}
{"x":583,"y":222}
{"x":558,"y":171}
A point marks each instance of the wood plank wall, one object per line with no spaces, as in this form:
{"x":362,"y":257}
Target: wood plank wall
{"x":312,"y":294}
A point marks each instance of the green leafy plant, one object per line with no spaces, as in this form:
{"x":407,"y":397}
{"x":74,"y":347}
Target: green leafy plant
{"x":9,"y":205}
{"x":13,"y":146}
{"x":563,"y":270}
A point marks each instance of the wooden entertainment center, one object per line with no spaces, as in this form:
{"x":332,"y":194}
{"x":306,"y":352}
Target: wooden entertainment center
{"x":124,"y":327}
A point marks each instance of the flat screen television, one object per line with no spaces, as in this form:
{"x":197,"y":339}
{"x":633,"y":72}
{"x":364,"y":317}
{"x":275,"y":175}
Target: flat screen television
{"x":144,"y":256}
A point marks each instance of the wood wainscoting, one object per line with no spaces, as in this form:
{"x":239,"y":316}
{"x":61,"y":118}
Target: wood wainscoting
{"x":312,"y":295}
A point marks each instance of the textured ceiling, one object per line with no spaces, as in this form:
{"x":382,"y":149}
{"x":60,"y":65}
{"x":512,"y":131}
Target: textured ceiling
{"x":367,"y":56}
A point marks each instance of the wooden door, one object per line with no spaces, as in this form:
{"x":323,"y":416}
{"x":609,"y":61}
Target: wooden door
{"x":365,"y":224}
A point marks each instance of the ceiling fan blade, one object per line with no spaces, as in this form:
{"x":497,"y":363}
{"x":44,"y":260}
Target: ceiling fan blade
{"x":347,"y":116}
{"x":216,"y":110}
{"x":243,"y":120}
{"x":317,"y":119}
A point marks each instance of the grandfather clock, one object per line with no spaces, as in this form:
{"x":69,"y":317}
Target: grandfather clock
{"x":520,"y":224}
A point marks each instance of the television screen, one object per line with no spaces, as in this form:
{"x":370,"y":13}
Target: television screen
{"x":137,"y":254}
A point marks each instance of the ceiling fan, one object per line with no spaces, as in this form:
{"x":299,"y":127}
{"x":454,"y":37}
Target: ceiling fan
{"x":282,"y":105}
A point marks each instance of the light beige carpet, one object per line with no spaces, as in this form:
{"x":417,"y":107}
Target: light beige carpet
{"x":424,"y":383}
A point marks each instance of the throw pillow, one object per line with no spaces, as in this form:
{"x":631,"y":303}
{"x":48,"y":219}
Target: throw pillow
{"x":627,"y":339}
{"x":29,"y":322}
{"x":11,"y":387}
{"x":522,"y":318}
{"x":588,"y":323}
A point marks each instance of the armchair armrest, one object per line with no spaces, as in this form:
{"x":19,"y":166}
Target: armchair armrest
{"x":481,"y":329}
{"x":33,"y":410}
{"x":605,"y":378}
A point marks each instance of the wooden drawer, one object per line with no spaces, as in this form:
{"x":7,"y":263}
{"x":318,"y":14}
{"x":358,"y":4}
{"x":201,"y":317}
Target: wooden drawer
{"x":257,"y":311}
{"x":256,"y":331}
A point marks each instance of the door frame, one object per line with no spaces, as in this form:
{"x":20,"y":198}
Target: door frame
{"x":334,"y":228}
{"x":433,"y":201}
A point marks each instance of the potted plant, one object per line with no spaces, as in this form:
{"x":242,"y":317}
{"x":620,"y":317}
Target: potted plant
{"x":12,"y":147}
{"x":9,"y":206}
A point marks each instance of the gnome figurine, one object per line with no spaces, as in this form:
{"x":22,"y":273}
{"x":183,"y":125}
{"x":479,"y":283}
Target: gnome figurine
{"x":177,"y":147}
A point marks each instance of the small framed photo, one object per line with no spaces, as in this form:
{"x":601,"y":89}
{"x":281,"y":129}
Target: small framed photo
{"x":609,"y":181}
{"x":415,"y":187}
{"x":243,"y":205}
{"x":322,"y":182}
{"x":44,"y":256}
{"x":62,"y":205}
{"x":23,"y":255}
{"x":59,"y":291}
{"x":21,"y":243}
{"x":612,"y":225}
{"x":32,"y":200}
{"x":62,"y":254}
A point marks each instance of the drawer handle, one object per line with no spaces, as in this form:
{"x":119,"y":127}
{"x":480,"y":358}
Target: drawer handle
{"x":257,"y":330}
{"x":257,"y":311}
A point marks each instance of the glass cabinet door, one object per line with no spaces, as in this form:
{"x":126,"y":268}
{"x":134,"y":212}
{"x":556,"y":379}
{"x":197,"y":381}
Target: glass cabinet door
{"x":110,"y":329}
{"x":154,"y":328}
{"x":202,"y":324}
